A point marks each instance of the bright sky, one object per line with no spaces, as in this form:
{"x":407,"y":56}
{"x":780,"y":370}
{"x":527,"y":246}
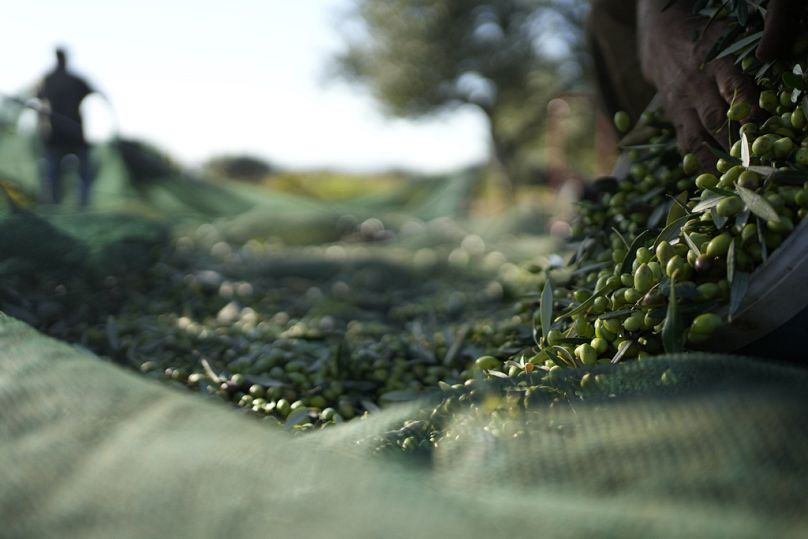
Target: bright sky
{"x":202,"y":78}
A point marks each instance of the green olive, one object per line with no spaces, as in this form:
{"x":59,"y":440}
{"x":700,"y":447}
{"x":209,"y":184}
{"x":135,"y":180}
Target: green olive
{"x":664,"y":252}
{"x":782,"y":225}
{"x":801,"y":198}
{"x":762,"y":146}
{"x":798,"y":119}
{"x":749,"y":179}
{"x":634,"y":322}
{"x":599,"y":345}
{"x":706,"y":180}
{"x":706,"y":323}
{"x":739,"y":111}
{"x":587,"y":354}
{"x":768,"y":101}
{"x":643,"y":279}
{"x":674,"y":266}
{"x":584,"y":328}
{"x":749,"y":231}
{"x":487,"y":363}
{"x":622,"y":121}
{"x":554,"y":337}
{"x":708,"y":290}
{"x":644,"y":255}
{"x":283,"y":407}
{"x":729,"y":206}
{"x":690,"y":164}
{"x":632,"y":295}
{"x":719,"y":245}
{"x":782,"y":147}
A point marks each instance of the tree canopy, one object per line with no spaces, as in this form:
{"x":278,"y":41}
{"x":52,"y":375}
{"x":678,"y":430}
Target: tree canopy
{"x":506,"y":57}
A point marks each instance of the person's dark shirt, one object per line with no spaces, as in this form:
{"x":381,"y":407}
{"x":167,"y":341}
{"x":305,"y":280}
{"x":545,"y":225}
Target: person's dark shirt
{"x":64,"y":92}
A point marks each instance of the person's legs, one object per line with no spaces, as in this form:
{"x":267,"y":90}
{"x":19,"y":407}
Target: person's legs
{"x":86,"y":176}
{"x":52,"y":192}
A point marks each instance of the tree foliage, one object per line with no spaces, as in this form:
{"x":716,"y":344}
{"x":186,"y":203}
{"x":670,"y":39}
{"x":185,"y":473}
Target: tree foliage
{"x":239,"y":167}
{"x":506,"y":57}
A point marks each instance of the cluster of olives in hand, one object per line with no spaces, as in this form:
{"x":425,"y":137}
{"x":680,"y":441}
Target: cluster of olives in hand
{"x":675,"y":230}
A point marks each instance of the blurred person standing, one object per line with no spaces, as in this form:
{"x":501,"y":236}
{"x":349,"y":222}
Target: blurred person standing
{"x":61,"y":129}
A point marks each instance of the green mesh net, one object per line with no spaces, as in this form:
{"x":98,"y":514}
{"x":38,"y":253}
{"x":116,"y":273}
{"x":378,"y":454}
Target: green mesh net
{"x":88,"y":450}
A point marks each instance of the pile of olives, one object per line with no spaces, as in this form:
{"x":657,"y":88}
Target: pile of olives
{"x":664,"y":256}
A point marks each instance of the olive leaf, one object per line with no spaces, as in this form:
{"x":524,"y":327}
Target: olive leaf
{"x":656,"y":216}
{"x":739,"y":58}
{"x":562,"y":359}
{"x":710,"y":202}
{"x":546,"y":309}
{"x":645,"y":197}
{"x":740,"y":285}
{"x":742,"y":12}
{"x":762,"y":241}
{"x":720,"y":191}
{"x":615,"y":314}
{"x":763,"y":171}
{"x":671,"y":231}
{"x":574,"y":340}
{"x":718,"y":220}
{"x":731,"y":262}
{"x":741,"y":219}
{"x":621,"y":350}
{"x":721,"y":154}
{"x":678,"y":208}
{"x":738,"y":45}
{"x":691,"y":244}
{"x":583,"y":306}
{"x":296,"y":417}
{"x":763,"y":69}
{"x":591,"y":268}
{"x":713,"y":14}
{"x":746,"y":156}
{"x":582,"y":249}
{"x":619,"y":235}
{"x":757,"y":204}
{"x":672,"y":331}
{"x":632,"y":251}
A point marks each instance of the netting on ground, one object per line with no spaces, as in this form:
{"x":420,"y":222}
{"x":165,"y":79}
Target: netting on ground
{"x":91,"y":451}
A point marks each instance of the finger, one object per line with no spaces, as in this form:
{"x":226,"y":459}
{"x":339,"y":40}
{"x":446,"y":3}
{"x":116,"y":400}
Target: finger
{"x":733,"y":85}
{"x":690,"y":135}
{"x":712,"y":112}
{"x":688,"y":128}
{"x":780,"y":28}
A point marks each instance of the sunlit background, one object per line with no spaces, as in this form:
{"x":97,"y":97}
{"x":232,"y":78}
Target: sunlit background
{"x":208,"y":78}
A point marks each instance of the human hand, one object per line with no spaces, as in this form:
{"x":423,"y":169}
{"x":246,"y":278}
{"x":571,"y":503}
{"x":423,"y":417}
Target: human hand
{"x":780,"y":28}
{"x":696,"y":96}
